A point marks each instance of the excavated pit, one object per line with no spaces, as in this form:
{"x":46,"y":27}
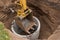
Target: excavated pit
{"x":46,"y":30}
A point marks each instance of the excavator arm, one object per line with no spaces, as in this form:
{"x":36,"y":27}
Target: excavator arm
{"x":23,"y":4}
{"x":24,"y":11}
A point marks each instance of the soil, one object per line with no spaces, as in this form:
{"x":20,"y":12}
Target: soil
{"x":48,"y":13}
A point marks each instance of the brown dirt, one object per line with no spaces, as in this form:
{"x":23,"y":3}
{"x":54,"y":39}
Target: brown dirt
{"x":49,"y":15}
{"x":55,"y":35}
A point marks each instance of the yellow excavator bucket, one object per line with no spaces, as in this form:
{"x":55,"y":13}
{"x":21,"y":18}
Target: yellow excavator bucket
{"x":23,"y":4}
{"x":20,"y":12}
{"x":24,"y":11}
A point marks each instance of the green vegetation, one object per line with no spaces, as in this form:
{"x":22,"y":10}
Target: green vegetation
{"x":3,"y":33}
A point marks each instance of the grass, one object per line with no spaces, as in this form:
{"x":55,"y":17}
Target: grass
{"x":3,"y":33}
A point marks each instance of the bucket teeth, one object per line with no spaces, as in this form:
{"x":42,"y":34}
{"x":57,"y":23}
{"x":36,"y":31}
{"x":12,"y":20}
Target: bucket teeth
{"x":32,"y":28}
{"x":28,"y":32}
